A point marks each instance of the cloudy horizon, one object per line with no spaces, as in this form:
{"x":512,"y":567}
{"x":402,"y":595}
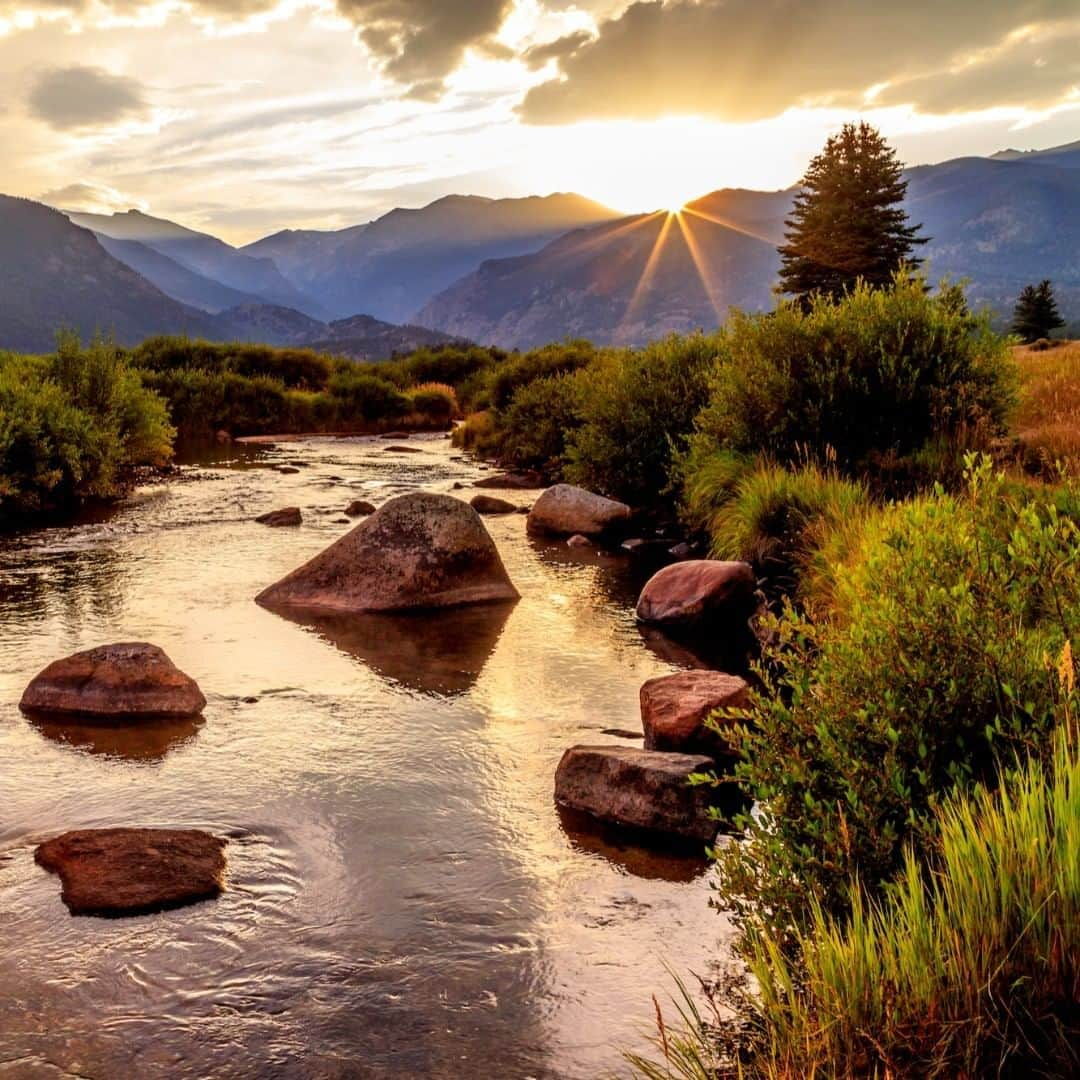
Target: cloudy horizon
{"x":242,"y":117}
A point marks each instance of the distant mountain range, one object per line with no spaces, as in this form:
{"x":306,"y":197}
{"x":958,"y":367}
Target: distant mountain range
{"x":511,"y":272}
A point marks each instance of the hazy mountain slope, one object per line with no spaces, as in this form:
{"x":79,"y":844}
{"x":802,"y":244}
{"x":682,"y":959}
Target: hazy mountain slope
{"x":392,"y":266}
{"x":174,"y":279}
{"x":54,"y":274}
{"x":203,"y":254}
{"x":365,"y":338}
{"x":622,"y":283}
{"x":1065,"y":157}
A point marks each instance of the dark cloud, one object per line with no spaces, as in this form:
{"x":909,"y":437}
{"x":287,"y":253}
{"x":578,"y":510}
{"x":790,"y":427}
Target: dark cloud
{"x":743,"y":60}
{"x":84,"y":97}
{"x":419,"y":42}
{"x":92,"y":198}
{"x":539,"y":55}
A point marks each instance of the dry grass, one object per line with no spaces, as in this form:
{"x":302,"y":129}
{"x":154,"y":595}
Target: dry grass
{"x":1048,"y":418}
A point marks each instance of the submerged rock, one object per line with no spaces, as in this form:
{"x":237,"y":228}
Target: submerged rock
{"x":403,"y":449}
{"x":134,"y":871}
{"x":286,"y":470}
{"x":674,"y":709}
{"x":579,"y":541}
{"x":289,"y":515}
{"x":124,"y":681}
{"x":488,"y":504}
{"x":640,"y":788}
{"x":359,"y":508}
{"x":524,"y":481}
{"x":698,"y":594}
{"x":564,"y":510}
{"x":417,"y":551}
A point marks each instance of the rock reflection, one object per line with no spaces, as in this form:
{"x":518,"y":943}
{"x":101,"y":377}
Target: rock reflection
{"x":145,"y":742}
{"x":440,"y":652}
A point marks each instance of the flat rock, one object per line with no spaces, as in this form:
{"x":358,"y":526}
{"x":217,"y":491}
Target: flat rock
{"x":645,"y":789}
{"x":114,"y":682}
{"x":524,"y":481}
{"x":288,"y":515}
{"x":488,"y":504}
{"x":698,"y":594}
{"x":674,"y":709}
{"x":286,"y":470}
{"x":403,"y":449}
{"x":359,"y":508}
{"x":564,"y":510}
{"x":117,"y":872}
{"x":417,"y":551}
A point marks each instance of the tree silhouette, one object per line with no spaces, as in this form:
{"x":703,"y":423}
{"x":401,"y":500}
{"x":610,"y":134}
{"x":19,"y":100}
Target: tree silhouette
{"x":1036,"y":315}
{"x":847,"y":222}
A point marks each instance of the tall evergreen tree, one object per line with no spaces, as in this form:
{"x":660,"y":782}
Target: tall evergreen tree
{"x":1036,"y":315}
{"x":847,"y":222}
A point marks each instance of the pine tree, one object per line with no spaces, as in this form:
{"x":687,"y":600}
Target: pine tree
{"x":847,"y":222}
{"x":1036,"y":315}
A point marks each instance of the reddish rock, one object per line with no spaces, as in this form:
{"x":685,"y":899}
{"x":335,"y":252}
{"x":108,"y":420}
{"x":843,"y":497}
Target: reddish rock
{"x":579,"y":541}
{"x":359,"y":508}
{"x":134,"y":871}
{"x":223,"y":437}
{"x":403,"y":449}
{"x":289,"y":515}
{"x":488,"y":504}
{"x":640,"y":788}
{"x":526,"y":481}
{"x":698,"y":594}
{"x":674,"y":709}
{"x":417,"y":551}
{"x":564,"y":510}
{"x":123,"y":681}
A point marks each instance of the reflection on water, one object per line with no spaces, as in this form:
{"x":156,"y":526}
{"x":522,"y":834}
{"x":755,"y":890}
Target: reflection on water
{"x":147,"y":741}
{"x":403,"y":898}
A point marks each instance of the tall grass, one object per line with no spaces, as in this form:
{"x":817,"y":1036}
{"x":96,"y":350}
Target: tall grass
{"x":1047,"y":420}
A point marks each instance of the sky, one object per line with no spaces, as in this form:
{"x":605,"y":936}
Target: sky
{"x":242,"y":117}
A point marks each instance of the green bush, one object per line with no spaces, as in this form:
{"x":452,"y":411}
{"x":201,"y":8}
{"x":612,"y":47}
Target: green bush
{"x":519,"y":370}
{"x":450,"y":364}
{"x":435,"y":403}
{"x":358,"y":394}
{"x":932,"y":666}
{"x":534,"y":430}
{"x":893,"y":383}
{"x":70,"y":424}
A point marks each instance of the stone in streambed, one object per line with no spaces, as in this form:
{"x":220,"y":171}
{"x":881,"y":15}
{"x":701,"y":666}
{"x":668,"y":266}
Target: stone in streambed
{"x":359,"y":508}
{"x":125,"y":871}
{"x":564,"y":510}
{"x":644,"y":789}
{"x":699,"y":594}
{"x":524,"y":481}
{"x":417,"y":551}
{"x":674,"y":709}
{"x":114,"y":682}
{"x":488,"y":504}
{"x":289,"y":515}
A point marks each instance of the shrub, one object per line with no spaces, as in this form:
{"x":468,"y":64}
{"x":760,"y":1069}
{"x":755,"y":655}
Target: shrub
{"x":435,"y":403}
{"x":932,"y":665}
{"x":635,"y":409}
{"x":894,"y":383}
{"x":521,"y":369}
{"x":477,"y":433}
{"x":542,"y":416}
{"x":450,"y":364}
{"x":358,"y":394}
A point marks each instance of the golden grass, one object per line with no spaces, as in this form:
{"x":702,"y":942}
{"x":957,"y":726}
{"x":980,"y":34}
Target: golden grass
{"x":1048,"y":418}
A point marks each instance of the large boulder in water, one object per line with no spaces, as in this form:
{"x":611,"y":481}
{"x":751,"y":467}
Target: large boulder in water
{"x":134,"y":871}
{"x":640,"y":788}
{"x":699,"y":594}
{"x":416,"y":551}
{"x":674,"y":709}
{"x":114,"y":682}
{"x":565,"y":510}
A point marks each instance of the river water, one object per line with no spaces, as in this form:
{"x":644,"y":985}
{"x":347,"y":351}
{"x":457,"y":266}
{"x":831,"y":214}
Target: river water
{"x":404,"y":899}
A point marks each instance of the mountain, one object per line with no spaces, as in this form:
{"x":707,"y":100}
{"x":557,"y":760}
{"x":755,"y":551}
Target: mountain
{"x":365,"y":338}
{"x":625,"y":282}
{"x":54,"y":274}
{"x":392,"y":266}
{"x":1065,"y":157}
{"x":204,"y":255}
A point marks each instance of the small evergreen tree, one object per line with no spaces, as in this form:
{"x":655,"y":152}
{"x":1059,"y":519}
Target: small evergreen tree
{"x":1036,"y":315}
{"x":847,"y":222}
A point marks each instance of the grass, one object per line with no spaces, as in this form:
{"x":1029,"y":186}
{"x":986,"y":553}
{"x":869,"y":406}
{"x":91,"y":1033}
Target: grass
{"x":1047,"y":421}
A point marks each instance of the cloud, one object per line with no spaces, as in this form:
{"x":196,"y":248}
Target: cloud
{"x":420,"y":42}
{"x":74,"y":97}
{"x":88,"y":198}
{"x":746,"y":60}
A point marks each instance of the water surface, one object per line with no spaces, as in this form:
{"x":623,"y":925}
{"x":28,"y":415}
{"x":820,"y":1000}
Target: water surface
{"x":404,"y":898}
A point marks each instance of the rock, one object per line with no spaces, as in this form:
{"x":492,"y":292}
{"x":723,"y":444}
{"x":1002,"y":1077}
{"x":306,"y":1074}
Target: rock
{"x":125,"y":681}
{"x":698,"y":594}
{"x":286,"y":470}
{"x":648,"y":549}
{"x":403,"y":449}
{"x":579,"y":541}
{"x":682,"y":550}
{"x":524,"y":481}
{"x":359,"y":508}
{"x":564,"y":510}
{"x":394,"y":435}
{"x":522,"y":509}
{"x":642,"y":788}
{"x":289,"y":515}
{"x":458,"y":486}
{"x":416,"y":551}
{"x":342,"y":521}
{"x":134,"y":871}
{"x":674,"y":709}
{"x":488,"y":504}
{"x":223,"y":437}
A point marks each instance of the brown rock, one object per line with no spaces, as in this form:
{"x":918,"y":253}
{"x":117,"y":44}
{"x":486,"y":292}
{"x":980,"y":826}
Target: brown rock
{"x":488,"y":504}
{"x":403,"y":449}
{"x":526,"y":481}
{"x":134,"y":871}
{"x":641,"y":788}
{"x":564,"y":510}
{"x":417,"y":551}
{"x":579,"y":541}
{"x":289,"y":515}
{"x":674,"y":709}
{"x":124,"y":681}
{"x":286,"y":470}
{"x":223,"y":437}
{"x":698,"y":594}
{"x":359,"y":508}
